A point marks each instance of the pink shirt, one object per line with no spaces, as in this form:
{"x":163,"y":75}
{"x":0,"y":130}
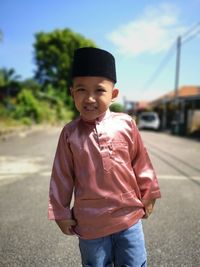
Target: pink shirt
{"x":107,"y":166}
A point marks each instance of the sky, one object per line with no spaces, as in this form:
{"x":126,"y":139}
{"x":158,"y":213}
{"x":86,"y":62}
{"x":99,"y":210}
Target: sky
{"x":141,"y":34}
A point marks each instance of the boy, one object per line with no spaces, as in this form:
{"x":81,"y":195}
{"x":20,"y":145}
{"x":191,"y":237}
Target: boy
{"x":101,"y":158}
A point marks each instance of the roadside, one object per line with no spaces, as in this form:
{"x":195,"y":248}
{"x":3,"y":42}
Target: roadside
{"x":24,"y":130}
{"x":23,"y":152}
{"x":6,"y":132}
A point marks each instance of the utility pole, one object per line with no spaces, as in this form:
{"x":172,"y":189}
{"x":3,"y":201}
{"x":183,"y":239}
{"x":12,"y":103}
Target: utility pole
{"x":179,"y":107}
{"x":176,"y":96}
{"x":178,"y":54}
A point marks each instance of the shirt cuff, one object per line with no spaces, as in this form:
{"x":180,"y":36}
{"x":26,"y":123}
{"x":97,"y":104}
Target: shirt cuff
{"x":63,"y":215}
{"x":152,"y":195}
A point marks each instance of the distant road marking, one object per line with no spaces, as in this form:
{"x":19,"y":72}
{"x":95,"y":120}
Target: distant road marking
{"x":14,"y":168}
{"x":176,"y":177}
{"x":17,"y":168}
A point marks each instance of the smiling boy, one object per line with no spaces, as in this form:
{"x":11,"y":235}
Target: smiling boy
{"x":92,"y":96}
{"x":101,"y":157}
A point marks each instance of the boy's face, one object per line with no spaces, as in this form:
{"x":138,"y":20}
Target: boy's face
{"x":93,"y":96}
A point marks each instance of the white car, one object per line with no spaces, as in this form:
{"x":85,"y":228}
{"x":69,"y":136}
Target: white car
{"x":148,"y":120}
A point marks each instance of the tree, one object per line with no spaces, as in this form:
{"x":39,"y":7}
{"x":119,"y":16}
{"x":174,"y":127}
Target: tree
{"x":116,"y":107}
{"x":8,"y":76}
{"x":9,"y":81}
{"x":53,"y":56}
{"x":31,"y":84}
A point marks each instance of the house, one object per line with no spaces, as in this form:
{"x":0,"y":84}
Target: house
{"x":178,"y":110}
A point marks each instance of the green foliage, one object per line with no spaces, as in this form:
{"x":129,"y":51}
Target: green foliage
{"x":29,"y":109}
{"x":116,"y":107}
{"x":28,"y":106}
{"x":53,"y":57}
{"x":46,"y":97}
{"x":9,"y":81}
{"x":8,"y":77}
{"x":54,"y":54}
{"x":31,"y":84}
{"x":1,"y":79}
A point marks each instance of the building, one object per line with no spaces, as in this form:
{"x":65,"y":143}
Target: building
{"x":179,"y":113}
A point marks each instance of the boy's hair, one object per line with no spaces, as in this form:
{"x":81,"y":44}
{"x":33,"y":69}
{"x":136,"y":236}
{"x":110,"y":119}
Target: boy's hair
{"x":90,"y":61}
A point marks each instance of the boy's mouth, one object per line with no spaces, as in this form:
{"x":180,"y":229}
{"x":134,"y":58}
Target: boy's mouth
{"x":90,"y":108}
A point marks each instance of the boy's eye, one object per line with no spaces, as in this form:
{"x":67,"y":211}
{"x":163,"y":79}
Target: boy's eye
{"x":101,"y":90}
{"x":80,"y":89}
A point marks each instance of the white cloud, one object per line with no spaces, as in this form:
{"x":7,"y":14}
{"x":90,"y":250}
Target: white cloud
{"x":151,"y":33}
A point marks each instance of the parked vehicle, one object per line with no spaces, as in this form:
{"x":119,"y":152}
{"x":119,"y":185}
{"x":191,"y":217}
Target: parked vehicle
{"x":149,"y":120}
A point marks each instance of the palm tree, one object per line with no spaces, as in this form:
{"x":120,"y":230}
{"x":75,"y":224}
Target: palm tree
{"x":9,"y":80}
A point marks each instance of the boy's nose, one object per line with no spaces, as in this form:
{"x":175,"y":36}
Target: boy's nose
{"x":90,"y":99}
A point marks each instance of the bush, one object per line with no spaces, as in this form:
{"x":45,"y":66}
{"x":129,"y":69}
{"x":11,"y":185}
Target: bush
{"x":116,"y":107}
{"x":28,"y":106}
{"x":27,"y":109}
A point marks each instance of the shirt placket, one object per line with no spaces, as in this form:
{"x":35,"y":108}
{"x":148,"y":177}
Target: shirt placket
{"x":104,"y":146}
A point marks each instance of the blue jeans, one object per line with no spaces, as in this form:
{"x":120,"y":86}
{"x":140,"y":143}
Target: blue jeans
{"x":123,"y":249}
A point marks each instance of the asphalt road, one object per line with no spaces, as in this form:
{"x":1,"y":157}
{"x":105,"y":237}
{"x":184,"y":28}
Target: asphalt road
{"x":27,"y":238}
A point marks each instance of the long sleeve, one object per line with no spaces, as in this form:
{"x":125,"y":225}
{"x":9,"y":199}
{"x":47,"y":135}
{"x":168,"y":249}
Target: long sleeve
{"x":144,"y":171}
{"x":109,"y":171}
{"x":62,"y":182}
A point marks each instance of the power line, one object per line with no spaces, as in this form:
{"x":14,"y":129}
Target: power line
{"x":160,"y":67}
{"x":192,"y":29}
{"x":186,"y":37}
{"x":191,"y":36}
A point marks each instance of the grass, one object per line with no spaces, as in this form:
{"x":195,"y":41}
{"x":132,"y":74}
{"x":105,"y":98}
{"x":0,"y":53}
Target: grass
{"x":9,"y":125}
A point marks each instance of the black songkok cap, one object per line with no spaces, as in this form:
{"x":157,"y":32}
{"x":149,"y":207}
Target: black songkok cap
{"x":89,"y":61}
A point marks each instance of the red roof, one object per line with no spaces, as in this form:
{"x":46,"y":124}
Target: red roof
{"x":189,"y":91}
{"x":184,"y":91}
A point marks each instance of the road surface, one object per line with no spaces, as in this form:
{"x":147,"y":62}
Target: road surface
{"x":27,"y":238}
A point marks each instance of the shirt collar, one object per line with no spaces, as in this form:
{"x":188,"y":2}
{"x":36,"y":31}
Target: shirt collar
{"x":102,"y":117}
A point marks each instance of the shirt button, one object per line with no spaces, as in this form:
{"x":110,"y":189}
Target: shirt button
{"x":110,"y":147}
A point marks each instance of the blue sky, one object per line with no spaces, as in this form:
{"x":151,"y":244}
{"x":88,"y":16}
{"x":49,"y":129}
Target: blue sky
{"x":140,"y":34}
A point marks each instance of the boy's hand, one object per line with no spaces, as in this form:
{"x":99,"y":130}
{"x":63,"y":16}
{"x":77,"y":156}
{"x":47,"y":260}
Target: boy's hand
{"x":148,"y":206}
{"x":66,"y":226}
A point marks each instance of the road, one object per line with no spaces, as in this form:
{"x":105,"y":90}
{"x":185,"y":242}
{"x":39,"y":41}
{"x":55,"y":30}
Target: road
{"x":27,"y":238}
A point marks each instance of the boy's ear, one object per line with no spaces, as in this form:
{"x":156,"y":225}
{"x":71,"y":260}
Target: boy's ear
{"x":115,"y":93}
